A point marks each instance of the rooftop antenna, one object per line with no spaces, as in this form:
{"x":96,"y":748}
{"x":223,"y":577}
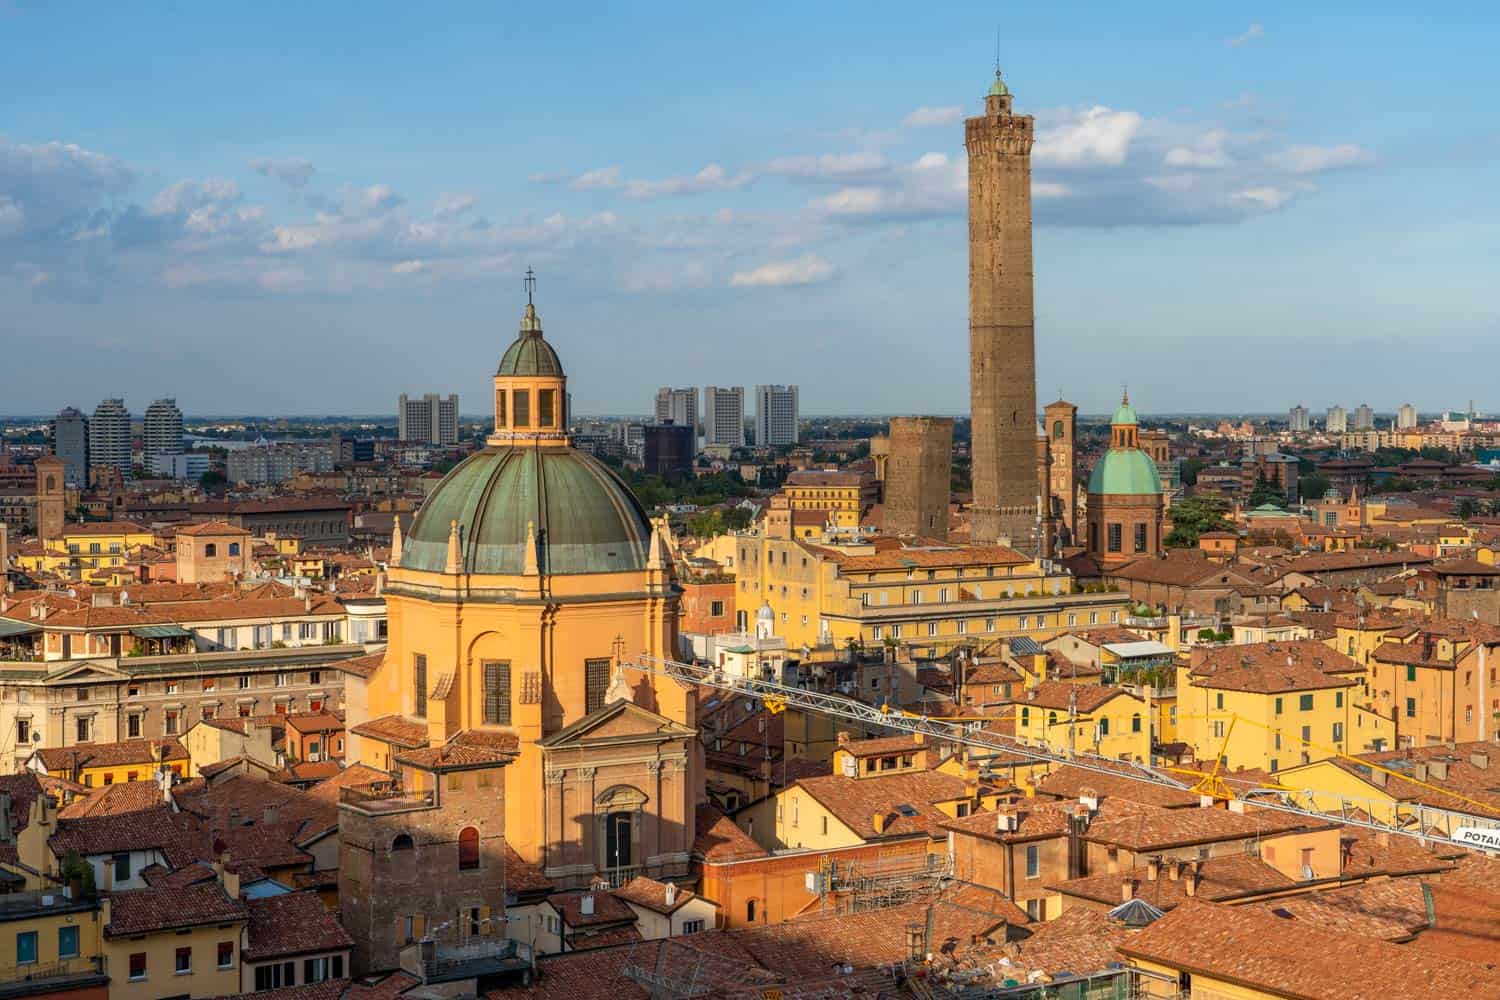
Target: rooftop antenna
{"x":530,"y":284}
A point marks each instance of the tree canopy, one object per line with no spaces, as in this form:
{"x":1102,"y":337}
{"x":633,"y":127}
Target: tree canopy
{"x":1195,"y":515}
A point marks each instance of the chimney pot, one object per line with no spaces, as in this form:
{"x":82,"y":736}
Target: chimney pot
{"x":1127,"y":889}
{"x":1153,"y":869}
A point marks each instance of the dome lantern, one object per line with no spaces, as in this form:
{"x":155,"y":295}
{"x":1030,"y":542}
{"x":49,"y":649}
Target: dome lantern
{"x":531,"y":390}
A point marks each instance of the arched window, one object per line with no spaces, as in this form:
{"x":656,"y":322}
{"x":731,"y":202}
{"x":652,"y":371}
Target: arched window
{"x":51,"y":483}
{"x":468,"y":849}
{"x":401,"y":843}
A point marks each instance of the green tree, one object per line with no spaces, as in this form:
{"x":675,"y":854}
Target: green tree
{"x":211,"y":479}
{"x":1195,"y":515}
{"x":1467,"y":508}
{"x":1312,"y":487}
{"x":1266,"y":492}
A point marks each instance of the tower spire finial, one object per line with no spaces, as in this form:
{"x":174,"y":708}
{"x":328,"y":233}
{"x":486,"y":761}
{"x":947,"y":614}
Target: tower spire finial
{"x":530,"y":284}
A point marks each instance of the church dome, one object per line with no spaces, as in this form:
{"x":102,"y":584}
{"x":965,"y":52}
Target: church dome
{"x":585,"y":518}
{"x":530,"y":355}
{"x":1124,"y":471}
{"x":1124,"y":414}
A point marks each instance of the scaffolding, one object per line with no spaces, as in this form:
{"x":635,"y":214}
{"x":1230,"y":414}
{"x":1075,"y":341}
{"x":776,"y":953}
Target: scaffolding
{"x":882,"y":883}
{"x":1350,"y":811}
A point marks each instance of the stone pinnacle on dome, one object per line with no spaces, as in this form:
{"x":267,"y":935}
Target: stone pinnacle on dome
{"x":530,"y":322}
{"x":396,"y":541}
{"x":455,"y":562}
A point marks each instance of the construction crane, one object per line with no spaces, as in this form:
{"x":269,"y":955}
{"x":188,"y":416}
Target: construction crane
{"x":1430,"y":824}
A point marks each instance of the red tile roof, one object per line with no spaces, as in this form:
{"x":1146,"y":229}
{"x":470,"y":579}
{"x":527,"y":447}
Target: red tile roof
{"x":295,"y":923}
{"x":650,"y":894}
{"x":397,"y":730}
{"x":1253,"y":949}
{"x":59,"y":760}
{"x":145,"y":911}
{"x":719,"y":840}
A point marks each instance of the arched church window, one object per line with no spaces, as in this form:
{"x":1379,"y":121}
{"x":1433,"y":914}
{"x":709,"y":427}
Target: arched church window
{"x":468,"y":849}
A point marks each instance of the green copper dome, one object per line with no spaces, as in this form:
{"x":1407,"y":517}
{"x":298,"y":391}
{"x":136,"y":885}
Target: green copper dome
{"x":1124,"y":413}
{"x":1125,"y":471}
{"x":530,"y":354}
{"x":586,"y":519}
{"x":998,"y":88}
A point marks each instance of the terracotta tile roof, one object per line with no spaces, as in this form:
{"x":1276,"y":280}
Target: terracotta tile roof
{"x":193,"y":874}
{"x":1040,"y":819}
{"x":925,"y":558}
{"x":1388,"y":909}
{"x":467,"y":748}
{"x":292,"y":924}
{"x":607,"y":909}
{"x":718,"y":840}
{"x":314,"y":722}
{"x":1067,"y":782}
{"x":319,"y":770}
{"x":883,"y":746}
{"x":226,"y":609}
{"x":244,"y":802}
{"x":329,"y":989}
{"x":396,"y":730}
{"x":178,"y":836}
{"x":1289,"y":958}
{"x":523,"y":876}
{"x":361,"y":666}
{"x":111,"y":800}
{"x":1466,"y":925}
{"x":211,"y":528}
{"x":1330,"y":562}
{"x":353,"y":776}
{"x":1081,"y":938}
{"x":60,"y":759}
{"x":1234,"y":876}
{"x":23,"y":789}
{"x":652,"y":895}
{"x":145,"y":911}
{"x":1272,"y":667}
{"x":1156,"y":831}
{"x":1061,"y":695}
{"x":1177,"y":571}
{"x":856,"y":801}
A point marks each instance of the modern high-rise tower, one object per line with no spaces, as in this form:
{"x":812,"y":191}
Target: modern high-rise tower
{"x":1002,"y":349}
{"x":70,"y":442}
{"x":1406,"y":417}
{"x":161,"y":436}
{"x":775,"y":415}
{"x":679,"y":406}
{"x":432,"y":419}
{"x":1297,"y":419}
{"x":109,"y":436}
{"x":724,"y":416}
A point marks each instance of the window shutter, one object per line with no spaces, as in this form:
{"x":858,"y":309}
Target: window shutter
{"x":484,"y":920}
{"x":419,"y":926}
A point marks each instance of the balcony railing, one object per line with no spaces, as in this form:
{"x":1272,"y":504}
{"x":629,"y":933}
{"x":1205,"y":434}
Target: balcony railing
{"x":385,"y":800}
{"x":24,"y":979}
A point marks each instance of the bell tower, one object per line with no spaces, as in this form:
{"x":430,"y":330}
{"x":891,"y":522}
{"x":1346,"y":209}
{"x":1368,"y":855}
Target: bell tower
{"x":1002,"y":352}
{"x":51,"y":497}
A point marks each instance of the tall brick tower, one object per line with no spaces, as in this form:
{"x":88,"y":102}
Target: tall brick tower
{"x":1061,"y":425}
{"x":918,"y":477}
{"x":1002,"y":352}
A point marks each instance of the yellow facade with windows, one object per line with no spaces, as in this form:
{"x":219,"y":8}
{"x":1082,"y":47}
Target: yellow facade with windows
{"x":63,"y":938}
{"x":85,"y":548}
{"x":841,"y":495}
{"x":205,"y":976}
{"x":1270,"y":730}
{"x":1114,"y":728}
{"x":827,"y":593}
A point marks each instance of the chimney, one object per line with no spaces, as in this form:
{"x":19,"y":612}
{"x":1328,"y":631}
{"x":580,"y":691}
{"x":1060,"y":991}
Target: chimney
{"x":878,"y":821}
{"x":1006,"y":821}
{"x":1190,"y":882}
{"x":1419,"y":770}
{"x":1089,"y":799}
{"x":1127,"y":889}
{"x":1174,"y":869}
{"x":586,"y":904}
{"x":1438,"y":769}
{"x":1480,"y":760}
{"x":1153,"y":869}
{"x":671,"y":894}
{"x":843,"y":736}
{"x":1378,"y":778}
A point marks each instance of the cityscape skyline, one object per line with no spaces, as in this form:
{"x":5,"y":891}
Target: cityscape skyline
{"x":828,"y":233}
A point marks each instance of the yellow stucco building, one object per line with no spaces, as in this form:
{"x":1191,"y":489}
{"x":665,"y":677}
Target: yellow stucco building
{"x":828,"y":591}
{"x":531,"y":579}
{"x":85,"y":548}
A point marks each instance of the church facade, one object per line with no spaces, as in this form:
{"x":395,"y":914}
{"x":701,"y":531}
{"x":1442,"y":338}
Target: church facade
{"x":529,"y":581}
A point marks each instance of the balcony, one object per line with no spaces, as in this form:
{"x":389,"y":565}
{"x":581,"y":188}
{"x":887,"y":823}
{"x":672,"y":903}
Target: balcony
{"x":69,"y":974}
{"x":384,"y":801}
{"x":478,"y":958}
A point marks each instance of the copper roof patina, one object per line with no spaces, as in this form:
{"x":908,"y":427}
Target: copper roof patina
{"x":585,"y":518}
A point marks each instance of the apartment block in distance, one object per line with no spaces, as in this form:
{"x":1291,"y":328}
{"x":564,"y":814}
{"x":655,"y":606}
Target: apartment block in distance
{"x":724,"y":416}
{"x":775,"y":415}
{"x":432,"y":419}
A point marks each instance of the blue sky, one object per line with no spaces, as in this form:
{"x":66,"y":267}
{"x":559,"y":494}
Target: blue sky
{"x":279,"y":209}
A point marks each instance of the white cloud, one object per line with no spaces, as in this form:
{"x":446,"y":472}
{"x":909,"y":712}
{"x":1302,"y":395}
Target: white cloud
{"x":711,"y":178}
{"x":852,"y":201}
{"x":827,"y":165}
{"x":1096,"y":136}
{"x":451,"y":203}
{"x":593,"y":180}
{"x":409,"y":267}
{"x":925,"y":117}
{"x":1313,"y":159}
{"x":292,"y":171}
{"x":1249,"y":35}
{"x":12,"y":218}
{"x":186,"y":196}
{"x":1268,"y":197}
{"x":1200,"y":159}
{"x":1048,"y":189}
{"x":809,"y":269}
